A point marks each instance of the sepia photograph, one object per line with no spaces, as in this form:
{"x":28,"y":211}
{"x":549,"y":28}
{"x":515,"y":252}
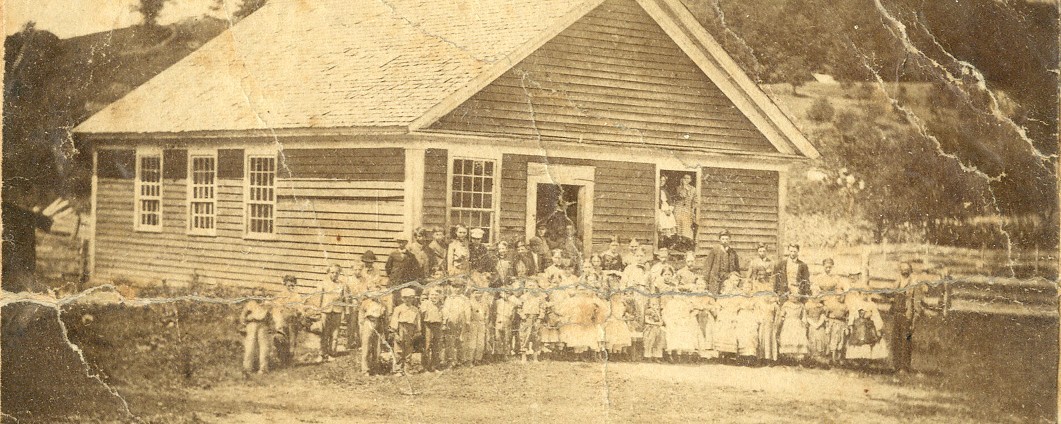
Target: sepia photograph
{"x":574,"y":211}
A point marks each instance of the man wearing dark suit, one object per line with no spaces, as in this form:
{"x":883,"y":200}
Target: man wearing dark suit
{"x":791,"y":275}
{"x":721,"y":261}
{"x":402,"y":266}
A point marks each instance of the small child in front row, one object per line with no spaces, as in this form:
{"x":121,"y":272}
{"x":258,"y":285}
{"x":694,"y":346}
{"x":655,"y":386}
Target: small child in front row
{"x":653,"y":336}
{"x":405,"y":323}
{"x":431,"y":315}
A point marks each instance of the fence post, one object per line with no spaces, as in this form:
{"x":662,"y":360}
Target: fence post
{"x":865,"y":265}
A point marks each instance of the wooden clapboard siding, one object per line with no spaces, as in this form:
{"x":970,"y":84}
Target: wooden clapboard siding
{"x":318,"y":221}
{"x":623,"y":196}
{"x":613,"y":76}
{"x":435,"y":174}
{"x":364,"y":164}
{"x":745,"y":202}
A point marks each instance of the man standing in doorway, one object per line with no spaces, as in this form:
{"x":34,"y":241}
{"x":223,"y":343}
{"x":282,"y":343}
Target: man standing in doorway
{"x":721,"y":261}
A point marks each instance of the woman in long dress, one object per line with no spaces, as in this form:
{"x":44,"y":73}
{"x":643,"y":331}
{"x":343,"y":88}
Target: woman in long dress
{"x":685,"y":207}
{"x":831,"y":289}
{"x":665,"y":220}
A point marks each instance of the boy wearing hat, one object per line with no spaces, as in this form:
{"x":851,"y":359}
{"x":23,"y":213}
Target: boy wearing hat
{"x":405,"y":324}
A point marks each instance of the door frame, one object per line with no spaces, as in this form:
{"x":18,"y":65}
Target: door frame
{"x":578,"y":175}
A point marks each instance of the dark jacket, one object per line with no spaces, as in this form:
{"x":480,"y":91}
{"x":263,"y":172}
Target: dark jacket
{"x":781,"y":277}
{"x":718,"y":265}
{"x":402,"y":267}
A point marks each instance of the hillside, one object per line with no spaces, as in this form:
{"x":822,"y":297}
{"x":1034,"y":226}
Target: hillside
{"x":51,"y":85}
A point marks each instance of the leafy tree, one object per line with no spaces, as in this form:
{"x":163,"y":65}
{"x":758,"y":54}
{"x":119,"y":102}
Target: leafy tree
{"x":150,"y":10}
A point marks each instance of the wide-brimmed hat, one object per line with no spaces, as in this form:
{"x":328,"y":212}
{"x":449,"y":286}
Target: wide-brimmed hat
{"x":477,"y":233}
{"x":368,"y":256}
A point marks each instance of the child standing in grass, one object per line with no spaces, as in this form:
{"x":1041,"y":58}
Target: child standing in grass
{"x":405,"y":323}
{"x":257,"y":340}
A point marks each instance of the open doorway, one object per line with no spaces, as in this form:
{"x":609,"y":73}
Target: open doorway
{"x":678,"y":209}
{"x":559,"y":196}
{"x":557,"y":208}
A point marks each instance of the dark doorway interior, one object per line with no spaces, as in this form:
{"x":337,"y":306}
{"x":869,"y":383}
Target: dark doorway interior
{"x":557,"y":208}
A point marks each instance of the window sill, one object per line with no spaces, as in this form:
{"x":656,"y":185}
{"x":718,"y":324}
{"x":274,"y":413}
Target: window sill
{"x":148,"y":229}
{"x":201,"y":233}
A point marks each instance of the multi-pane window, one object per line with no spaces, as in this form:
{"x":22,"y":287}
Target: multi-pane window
{"x":261,"y":194}
{"x":149,"y":192}
{"x":202,"y":195}
{"x":472,"y":194}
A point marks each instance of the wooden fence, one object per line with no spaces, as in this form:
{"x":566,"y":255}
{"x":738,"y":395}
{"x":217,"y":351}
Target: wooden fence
{"x":1014,"y":282}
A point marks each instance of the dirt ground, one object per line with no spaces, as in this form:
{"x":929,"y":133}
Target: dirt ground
{"x":974,"y":369}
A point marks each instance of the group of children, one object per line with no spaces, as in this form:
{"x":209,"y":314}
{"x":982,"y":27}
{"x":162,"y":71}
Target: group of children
{"x":494,"y":304}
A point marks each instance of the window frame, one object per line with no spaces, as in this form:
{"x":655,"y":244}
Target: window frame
{"x":495,"y":193}
{"x":138,"y":197}
{"x":248,"y":156}
{"x":190,"y":197}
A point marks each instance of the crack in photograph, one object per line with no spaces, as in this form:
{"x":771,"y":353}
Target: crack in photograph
{"x":530,"y":211}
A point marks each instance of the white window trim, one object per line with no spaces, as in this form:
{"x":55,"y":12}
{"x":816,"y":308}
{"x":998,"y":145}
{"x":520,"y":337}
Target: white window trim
{"x":495,"y":225}
{"x":142,"y":153}
{"x":247,"y":155}
{"x":192,"y":154}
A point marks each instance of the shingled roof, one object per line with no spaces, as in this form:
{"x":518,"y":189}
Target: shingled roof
{"x":372,"y":66}
{"x":336,"y":64}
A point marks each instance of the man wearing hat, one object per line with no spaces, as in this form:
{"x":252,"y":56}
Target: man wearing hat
{"x":720,"y":262}
{"x":416,"y":246}
{"x":406,"y":326}
{"x":402,"y":266}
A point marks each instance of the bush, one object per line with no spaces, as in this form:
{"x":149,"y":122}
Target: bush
{"x":821,"y":111}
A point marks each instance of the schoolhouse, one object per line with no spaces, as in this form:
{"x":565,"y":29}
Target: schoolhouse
{"x":310,"y":132}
